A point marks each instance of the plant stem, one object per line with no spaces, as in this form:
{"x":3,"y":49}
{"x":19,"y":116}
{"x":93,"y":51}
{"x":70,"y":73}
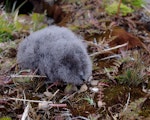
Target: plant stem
{"x":119,"y":7}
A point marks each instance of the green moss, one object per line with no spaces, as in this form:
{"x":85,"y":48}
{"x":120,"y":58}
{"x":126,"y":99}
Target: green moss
{"x":113,"y":8}
{"x":113,"y":94}
{"x":133,"y":110}
{"x":119,"y":94}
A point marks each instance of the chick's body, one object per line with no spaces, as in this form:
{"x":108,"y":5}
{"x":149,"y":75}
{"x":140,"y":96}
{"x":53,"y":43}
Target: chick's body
{"x":57,"y":53}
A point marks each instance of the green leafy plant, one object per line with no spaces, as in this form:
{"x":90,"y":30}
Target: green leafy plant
{"x":37,"y":21}
{"x":130,"y":77}
{"x":6,"y":28}
{"x":113,"y":9}
{"x":90,"y":100}
{"x":12,"y":22}
{"x":134,"y":3}
{"x":133,"y":75}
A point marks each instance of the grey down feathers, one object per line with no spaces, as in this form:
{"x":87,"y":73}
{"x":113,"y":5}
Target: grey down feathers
{"x":57,"y":53}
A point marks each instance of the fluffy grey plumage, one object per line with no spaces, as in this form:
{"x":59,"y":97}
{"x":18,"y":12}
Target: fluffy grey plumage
{"x":57,"y":53}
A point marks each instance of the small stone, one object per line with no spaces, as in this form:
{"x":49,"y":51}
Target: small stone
{"x":94,"y":89}
{"x":83,"y":88}
{"x":100,"y":104}
{"x":94,"y":82}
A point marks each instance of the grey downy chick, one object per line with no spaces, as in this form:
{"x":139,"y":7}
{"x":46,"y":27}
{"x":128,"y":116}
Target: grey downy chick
{"x":57,"y":53}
